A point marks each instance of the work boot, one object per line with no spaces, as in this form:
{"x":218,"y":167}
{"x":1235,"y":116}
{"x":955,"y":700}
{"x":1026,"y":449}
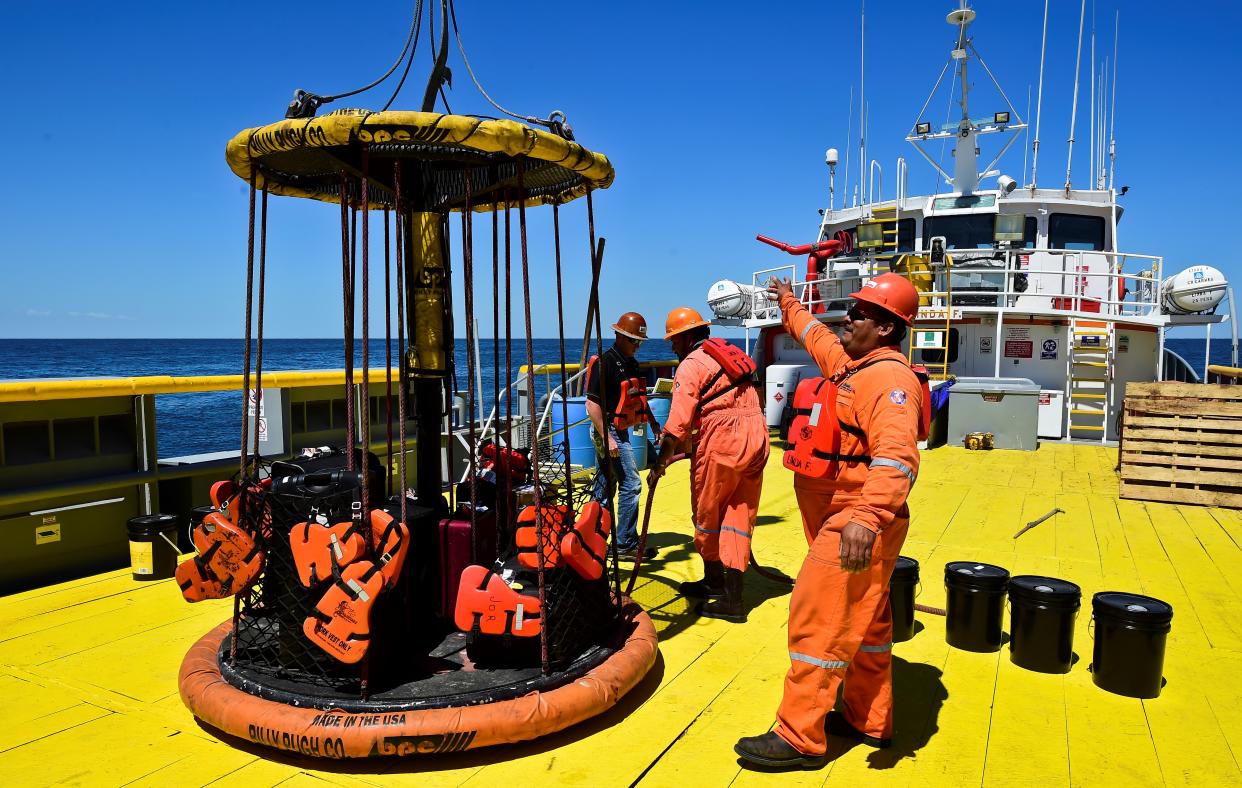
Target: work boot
{"x":838,"y":726}
{"x":710,"y":587}
{"x":773,"y":752}
{"x":729,"y":607}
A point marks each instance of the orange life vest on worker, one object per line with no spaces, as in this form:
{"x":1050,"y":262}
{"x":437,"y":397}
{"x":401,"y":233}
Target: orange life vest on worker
{"x":815,"y":432}
{"x":735,"y":365}
{"x":631,"y":407}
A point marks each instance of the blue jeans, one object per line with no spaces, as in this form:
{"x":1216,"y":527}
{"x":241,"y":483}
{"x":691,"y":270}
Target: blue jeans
{"x":625,"y":479}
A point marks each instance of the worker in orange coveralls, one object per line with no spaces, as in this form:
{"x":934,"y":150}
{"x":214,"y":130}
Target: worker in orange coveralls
{"x":855,"y":517}
{"x":714,"y":393}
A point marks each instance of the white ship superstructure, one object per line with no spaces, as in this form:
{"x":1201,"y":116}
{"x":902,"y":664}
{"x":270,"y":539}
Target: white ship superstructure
{"x":1015,"y":281}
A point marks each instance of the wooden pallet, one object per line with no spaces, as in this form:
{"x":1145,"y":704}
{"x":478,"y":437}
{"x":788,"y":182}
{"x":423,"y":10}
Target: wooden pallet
{"x":1182,"y":443}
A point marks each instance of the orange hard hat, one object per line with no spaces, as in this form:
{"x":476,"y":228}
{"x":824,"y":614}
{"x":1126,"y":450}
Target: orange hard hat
{"x":632,"y":325}
{"x":683,"y":318}
{"x":893,"y":293}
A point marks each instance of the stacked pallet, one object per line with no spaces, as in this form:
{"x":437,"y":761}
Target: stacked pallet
{"x":1182,"y":443}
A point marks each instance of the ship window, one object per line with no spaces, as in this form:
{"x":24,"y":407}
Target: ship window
{"x":26,"y":442}
{"x":73,"y":438}
{"x":116,"y":434}
{"x":1070,"y":231}
{"x":937,"y":356}
{"x":964,"y":231}
{"x":318,"y":416}
{"x":1030,"y":233}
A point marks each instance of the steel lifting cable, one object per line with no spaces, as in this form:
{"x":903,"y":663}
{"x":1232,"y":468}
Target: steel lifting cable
{"x":467,"y":275}
{"x":366,"y":341}
{"x":503,"y":513}
{"x":448,"y":385}
{"x":399,"y":226}
{"x":597,"y":265}
{"x":258,"y":339}
{"x":387,"y":346}
{"x":560,"y":126}
{"x":508,"y":344}
{"x":530,"y":396}
{"x":560,"y":328}
{"x":245,"y":420}
{"x":346,"y":298}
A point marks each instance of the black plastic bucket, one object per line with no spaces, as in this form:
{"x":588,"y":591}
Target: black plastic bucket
{"x":197,"y":514}
{"x":975,"y":605}
{"x":153,"y":546}
{"x":901,"y":585}
{"x":1130,"y":633}
{"x":1041,"y":622}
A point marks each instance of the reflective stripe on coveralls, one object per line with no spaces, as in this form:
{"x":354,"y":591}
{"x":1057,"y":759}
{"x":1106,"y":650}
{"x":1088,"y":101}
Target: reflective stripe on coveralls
{"x":838,"y":618}
{"x":730,"y":454}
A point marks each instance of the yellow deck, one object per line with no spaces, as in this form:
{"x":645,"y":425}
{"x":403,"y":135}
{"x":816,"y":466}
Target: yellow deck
{"x":88,"y":668}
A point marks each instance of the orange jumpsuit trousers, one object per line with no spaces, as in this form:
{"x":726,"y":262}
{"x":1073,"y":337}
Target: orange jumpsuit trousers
{"x":729,"y":456}
{"x":840,"y":627}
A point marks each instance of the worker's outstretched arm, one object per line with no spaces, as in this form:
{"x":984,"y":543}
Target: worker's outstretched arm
{"x":819,"y":340}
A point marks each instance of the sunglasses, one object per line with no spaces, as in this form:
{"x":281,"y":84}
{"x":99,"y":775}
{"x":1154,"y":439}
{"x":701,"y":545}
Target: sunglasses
{"x":635,"y":342}
{"x":857,"y":313}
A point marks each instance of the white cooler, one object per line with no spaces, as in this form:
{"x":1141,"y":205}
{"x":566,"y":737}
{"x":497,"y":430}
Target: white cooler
{"x":780,"y":382}
{"x":1051,"y":423}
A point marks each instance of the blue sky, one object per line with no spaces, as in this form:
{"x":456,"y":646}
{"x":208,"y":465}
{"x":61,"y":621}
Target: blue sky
{"x":121,"y":219}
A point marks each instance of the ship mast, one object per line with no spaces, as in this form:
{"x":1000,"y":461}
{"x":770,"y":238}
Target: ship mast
{"x":966,"y":174}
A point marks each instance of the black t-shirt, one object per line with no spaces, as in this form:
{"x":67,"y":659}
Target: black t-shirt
{"x":604,"y":376}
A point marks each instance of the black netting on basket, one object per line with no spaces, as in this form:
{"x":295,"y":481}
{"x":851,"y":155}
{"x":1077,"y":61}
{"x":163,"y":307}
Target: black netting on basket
{"x":270,"y":640}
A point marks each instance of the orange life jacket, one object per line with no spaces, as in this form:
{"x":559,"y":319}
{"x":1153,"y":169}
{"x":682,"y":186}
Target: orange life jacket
{"x":631,"y":404}
{"x":506,"y":462}
{"x":735,"y":365}
{"x":321,"y":551}
{"x":391,"y":538}
{"x":340,"y":624}
{"x":815,"y":432}
{"x":555,"y":522}
{"x":487,"y":605}
{"x":228,"y":561}
{"x":586,"y":545}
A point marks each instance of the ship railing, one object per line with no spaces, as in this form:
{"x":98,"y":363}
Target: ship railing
{"x":1087,"y":282}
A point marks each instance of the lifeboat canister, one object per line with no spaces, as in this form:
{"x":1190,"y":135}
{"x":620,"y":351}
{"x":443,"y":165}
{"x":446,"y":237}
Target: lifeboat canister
{"x":1041,"y":622}
{"x":975,"y":605}
{"x":901,"y":585}
{"x":1130,"y":633}
{"x":153,"y":546}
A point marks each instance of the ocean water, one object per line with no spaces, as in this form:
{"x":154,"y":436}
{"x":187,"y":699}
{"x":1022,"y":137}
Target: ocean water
{"x":210,"y":421}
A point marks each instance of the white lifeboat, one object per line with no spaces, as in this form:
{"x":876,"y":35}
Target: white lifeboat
{"x":1199,"y":288}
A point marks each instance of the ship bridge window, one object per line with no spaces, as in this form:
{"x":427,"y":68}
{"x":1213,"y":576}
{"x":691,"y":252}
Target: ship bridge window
{"x":972,"y":231}
{"x":1071,"y":231}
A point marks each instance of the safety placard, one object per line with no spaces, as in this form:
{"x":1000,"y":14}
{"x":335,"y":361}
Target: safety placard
{"x":985,"y":344}
{"x":928,"y":340}
{"x":1019,"y":348}
{"x":1048,"y":350}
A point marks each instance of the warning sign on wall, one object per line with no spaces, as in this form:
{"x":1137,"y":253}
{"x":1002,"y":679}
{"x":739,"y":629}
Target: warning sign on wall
{"x":1019,"y":348}
{"x":1048,"y":349}
{"x":985,"y":344}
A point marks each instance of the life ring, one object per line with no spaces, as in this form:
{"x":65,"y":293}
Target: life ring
{"x":344,"y":734}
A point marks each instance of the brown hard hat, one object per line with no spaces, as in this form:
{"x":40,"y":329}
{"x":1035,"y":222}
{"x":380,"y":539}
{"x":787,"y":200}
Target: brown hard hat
{"x":683,"y":318}
{"x":632,"y":325}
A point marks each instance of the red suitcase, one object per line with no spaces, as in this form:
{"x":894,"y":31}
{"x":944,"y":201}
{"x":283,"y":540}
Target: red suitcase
{"x":460,"y":546}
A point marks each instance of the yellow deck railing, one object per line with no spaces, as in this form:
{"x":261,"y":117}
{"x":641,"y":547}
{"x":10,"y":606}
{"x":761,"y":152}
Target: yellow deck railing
{"x":37,"y":390}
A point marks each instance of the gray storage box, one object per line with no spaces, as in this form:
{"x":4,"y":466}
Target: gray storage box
{"x":1006,"y":407}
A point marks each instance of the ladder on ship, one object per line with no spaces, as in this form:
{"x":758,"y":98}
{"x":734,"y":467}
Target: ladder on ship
{"x":886,"y":217}
{"x":936,"y":339}
{"x":1090,"y":359}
